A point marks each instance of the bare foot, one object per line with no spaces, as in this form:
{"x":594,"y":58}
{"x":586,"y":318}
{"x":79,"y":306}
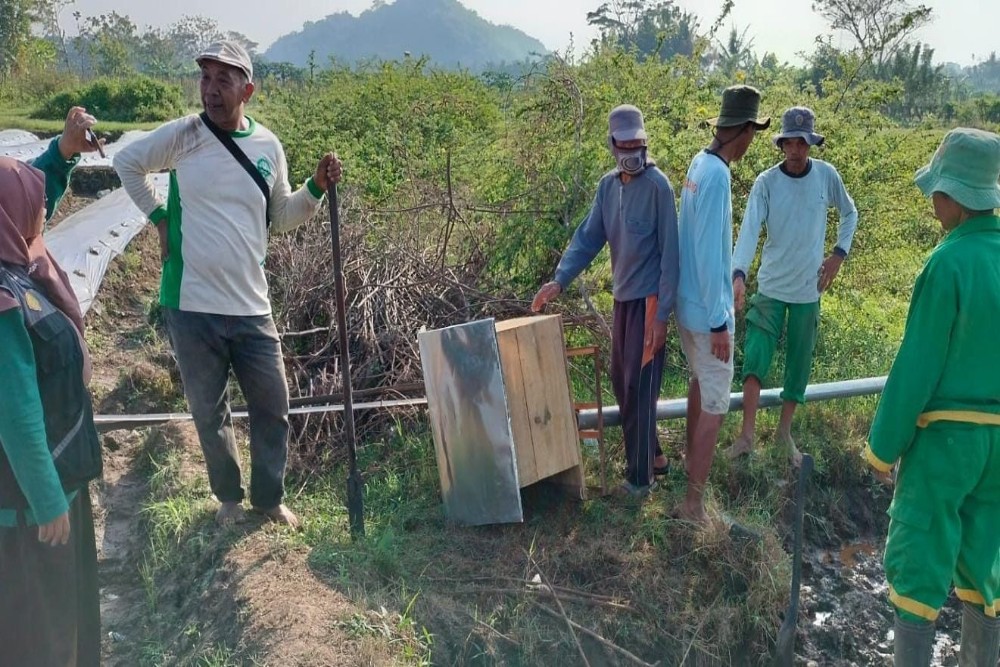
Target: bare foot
{"x":661,"y":465}
{"x":692,"y":513}
{"x":280,"y":514}
{"x":230,"y":513}
{"x":794,"y":455}
{"x":741,"y":445}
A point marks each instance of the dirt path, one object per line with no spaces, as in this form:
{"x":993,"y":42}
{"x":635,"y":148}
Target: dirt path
{"x":251,"y":600}
{"x":117,"y":503}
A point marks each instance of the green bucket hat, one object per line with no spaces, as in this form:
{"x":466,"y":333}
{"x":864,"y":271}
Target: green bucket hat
{"x":966,"y":167}
{"x":740,"y":104}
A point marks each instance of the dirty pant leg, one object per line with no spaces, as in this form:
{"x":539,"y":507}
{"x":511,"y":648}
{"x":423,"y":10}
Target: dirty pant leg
{"x":256,"y":357}
{"x":977,"y":576}
{"x":937,"y":475}
{"x":49,"y":608}
{"x":638,"y":416}
{"x":201,"y":346}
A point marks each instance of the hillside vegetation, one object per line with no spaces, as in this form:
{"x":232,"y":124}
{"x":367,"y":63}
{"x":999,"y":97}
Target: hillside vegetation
{"x":460,"y":193}
{"x":444,"y":31}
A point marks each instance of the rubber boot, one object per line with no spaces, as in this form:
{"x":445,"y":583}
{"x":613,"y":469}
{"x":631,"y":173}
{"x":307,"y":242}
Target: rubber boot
{"x":980,"y":638}
{"x":914,"y":643}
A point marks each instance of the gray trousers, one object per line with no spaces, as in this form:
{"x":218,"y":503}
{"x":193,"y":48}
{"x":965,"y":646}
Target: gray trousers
{"x":207,"y":346}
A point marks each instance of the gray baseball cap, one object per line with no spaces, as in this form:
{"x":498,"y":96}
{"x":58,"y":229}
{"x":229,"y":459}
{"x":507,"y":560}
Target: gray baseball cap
{"x":625,"y":123}
{"x":229,"y":53}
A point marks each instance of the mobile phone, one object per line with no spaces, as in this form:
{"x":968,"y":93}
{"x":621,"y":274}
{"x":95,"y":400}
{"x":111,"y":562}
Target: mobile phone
{"x":95,"y":142}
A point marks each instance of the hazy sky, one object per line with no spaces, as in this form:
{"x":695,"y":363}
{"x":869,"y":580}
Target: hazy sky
{"x":962,"y":30}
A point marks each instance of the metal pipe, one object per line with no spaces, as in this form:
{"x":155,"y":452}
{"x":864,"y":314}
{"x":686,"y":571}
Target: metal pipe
{"x":113,"y":422}
{"x":677,"y":407}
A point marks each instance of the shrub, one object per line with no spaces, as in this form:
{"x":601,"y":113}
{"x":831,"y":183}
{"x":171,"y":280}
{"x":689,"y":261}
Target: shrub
{"x":137,"y":99}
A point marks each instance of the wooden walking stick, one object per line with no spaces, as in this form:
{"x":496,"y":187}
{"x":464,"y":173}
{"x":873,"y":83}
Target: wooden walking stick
{"x":355,"y":484}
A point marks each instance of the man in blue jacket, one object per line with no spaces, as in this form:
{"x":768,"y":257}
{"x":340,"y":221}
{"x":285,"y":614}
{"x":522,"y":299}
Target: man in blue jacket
{"x":634,"y":213}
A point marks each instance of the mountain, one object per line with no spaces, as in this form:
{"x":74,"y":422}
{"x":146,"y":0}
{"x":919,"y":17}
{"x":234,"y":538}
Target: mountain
{"x":445,"y":30}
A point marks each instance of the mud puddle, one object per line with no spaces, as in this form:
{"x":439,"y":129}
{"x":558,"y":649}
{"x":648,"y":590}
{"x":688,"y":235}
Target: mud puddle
{"x":846,"y":616}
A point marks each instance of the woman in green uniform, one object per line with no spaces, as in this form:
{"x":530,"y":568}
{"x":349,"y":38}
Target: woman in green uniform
{"x":939,"y":416}
{"x":49,"y":448}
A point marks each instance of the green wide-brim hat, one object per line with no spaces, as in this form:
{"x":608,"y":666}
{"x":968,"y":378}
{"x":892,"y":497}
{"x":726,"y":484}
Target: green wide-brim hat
{"x":740,"y":104}
{"x":966,"y":167}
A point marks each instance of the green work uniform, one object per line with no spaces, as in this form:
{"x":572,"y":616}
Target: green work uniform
{"x":939,"y":416}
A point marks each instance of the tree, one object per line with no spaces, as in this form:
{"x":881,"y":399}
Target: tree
{"x":926,"y":88}
{"x":985,"y":75}
{"x":17,"y":20}
{"x":880,"y":27}
{"x":736,"y":53}
{"x":651,"y":29}
{"x":171,"y":52}
{"x":111,"y":42}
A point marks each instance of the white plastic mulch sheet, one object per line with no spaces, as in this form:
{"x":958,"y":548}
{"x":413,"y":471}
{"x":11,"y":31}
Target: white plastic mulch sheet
{"x":25,"y":151}
{"x":86,"y":242}
{"x":16,"y":137}
{"x":95,"y":159}
{"x":29,"y":147}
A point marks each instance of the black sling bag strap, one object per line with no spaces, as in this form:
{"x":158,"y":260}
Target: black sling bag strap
{"x":244,"y":161}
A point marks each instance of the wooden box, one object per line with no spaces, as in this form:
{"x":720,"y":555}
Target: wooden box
{"x":501,"y":412}
{"x":543,"y":422}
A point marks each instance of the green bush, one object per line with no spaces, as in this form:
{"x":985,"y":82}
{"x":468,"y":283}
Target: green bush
{"x":137,"y":99}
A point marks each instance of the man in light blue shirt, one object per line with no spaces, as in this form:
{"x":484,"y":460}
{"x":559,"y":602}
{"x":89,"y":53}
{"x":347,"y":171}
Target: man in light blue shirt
{"x":704,"y":292}
{"x":635,"y":215}
{"x":790,"y":200}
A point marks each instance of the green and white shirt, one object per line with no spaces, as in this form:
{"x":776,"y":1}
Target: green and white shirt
{"x":217,"y":225}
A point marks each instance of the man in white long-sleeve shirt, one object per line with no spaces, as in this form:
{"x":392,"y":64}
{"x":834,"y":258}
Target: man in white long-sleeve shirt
{"x":213,"y":232}
{"x":790,"y":200}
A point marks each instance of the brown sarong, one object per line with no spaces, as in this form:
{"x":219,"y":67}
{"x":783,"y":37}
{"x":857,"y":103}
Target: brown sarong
{"x":50,"y":614}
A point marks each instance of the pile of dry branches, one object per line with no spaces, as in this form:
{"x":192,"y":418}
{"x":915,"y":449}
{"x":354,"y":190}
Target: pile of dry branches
{"x":400,"y":275}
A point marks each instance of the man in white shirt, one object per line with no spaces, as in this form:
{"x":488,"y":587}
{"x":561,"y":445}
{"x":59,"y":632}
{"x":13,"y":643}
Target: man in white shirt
{"x":222,"y":202}
{"x":791,"y":200}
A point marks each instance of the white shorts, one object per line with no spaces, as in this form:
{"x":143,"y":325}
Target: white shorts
{"x":715,"y":378}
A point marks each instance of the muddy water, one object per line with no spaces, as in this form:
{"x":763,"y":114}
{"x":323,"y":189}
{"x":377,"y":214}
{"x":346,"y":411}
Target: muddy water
{"x":847,"y":618}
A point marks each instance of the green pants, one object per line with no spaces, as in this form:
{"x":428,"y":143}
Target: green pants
{"x":945,"y":521}
{"x":765,"y":322}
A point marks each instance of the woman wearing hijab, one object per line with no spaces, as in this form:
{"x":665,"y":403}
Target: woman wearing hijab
{"x":49,"y":448}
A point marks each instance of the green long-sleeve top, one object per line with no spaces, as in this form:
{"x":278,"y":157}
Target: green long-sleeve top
{"x":57,"y":171}
{"x":948,"y":360}
{"x":22,"y":427}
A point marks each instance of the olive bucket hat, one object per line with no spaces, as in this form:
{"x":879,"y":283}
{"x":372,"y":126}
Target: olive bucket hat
{"x":966,"y":167}
{"x":740,"y":104}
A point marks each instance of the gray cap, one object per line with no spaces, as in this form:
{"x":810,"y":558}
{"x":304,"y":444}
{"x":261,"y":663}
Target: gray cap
{"x":799,"y":122}
{"x":229,"y":53}
{"x":625,"y":123}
